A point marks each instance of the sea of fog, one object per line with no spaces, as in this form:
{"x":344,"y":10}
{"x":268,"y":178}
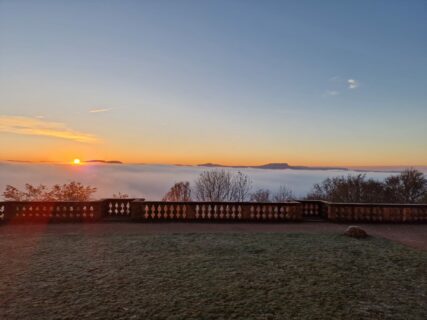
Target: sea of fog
{"x":153,"y":181}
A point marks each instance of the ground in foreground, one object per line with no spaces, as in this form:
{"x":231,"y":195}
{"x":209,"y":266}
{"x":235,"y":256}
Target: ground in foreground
{"x":209,"y":276}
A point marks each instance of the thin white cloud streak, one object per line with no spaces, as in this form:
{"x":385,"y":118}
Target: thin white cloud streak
{"x":331,"y":93}
{"x":99,"y":110}
{"x":352,"y":83}
{"x":38,"y":127}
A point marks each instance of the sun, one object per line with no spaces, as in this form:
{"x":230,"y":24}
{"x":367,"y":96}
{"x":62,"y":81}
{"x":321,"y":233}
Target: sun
{"x":76,"y":161}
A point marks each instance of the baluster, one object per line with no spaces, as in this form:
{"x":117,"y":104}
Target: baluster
{"x":270,"y":215}
{"x":209,"y":211}
{"x":221,"y":211}
{"x":263,"y":210}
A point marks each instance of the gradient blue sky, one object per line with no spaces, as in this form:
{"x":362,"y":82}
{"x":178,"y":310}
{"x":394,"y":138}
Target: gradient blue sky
{"x":305,"y":82}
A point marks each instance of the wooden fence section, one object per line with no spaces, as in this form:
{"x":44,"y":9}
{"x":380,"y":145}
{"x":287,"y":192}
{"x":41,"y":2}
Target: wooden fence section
{"x":146,"y":211}
{"x":216,"y":211}
{"x":366,"y":212}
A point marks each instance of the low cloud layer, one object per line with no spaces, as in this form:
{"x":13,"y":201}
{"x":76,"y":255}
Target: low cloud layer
{"x":40,"y":127}
{"x":152,"y":181}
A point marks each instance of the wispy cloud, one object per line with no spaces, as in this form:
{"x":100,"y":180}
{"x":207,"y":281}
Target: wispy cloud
{"x":99,"y":110}
{"x":335,"y":78}
{"x":352,"y":84}
{"x":39,"y":127}
{"x":331,"y":93}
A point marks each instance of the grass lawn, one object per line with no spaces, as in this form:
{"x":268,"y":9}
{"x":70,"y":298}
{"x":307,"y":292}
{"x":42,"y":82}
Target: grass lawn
{"x":210,"y":276}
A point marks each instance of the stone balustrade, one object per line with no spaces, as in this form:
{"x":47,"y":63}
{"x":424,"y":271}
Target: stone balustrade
{"x":367,"y":212}
{"x":51,"y":211}
{"x":216,"y":211}
{"x":117,"y":207}
{"x":152,"y":211}
{"x":314,"y":208}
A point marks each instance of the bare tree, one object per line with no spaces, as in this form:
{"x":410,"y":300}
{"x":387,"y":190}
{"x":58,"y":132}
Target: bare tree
{"x":73,"y":191}
{"x":348,"y":189}
{"x":283,"y":194}
{"x":180,"y":191}
{"x":221,"y":185}
{"x":241,"y":185}
{"x":408,"y":187}
{"x":30,"y":193}
{"x":261,"y":195}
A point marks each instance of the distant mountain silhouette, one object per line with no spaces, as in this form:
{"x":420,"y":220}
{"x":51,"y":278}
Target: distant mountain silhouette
{"x":104,"y":161}
{"x":276,"y":166}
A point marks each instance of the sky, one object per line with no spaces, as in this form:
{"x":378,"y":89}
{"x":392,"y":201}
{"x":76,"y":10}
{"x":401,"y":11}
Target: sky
{"x":232,"y":82}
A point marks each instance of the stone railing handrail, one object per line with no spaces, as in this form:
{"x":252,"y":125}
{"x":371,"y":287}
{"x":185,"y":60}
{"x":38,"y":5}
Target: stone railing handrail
{"x":361,"y":204}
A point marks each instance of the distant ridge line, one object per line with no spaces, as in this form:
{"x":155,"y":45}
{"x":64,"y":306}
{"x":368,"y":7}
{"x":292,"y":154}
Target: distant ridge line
{"x":274,"y":166}
{"x":104,"y":161}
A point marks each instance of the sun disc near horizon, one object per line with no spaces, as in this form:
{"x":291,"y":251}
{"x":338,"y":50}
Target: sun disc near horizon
{"x":76,"y":161}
